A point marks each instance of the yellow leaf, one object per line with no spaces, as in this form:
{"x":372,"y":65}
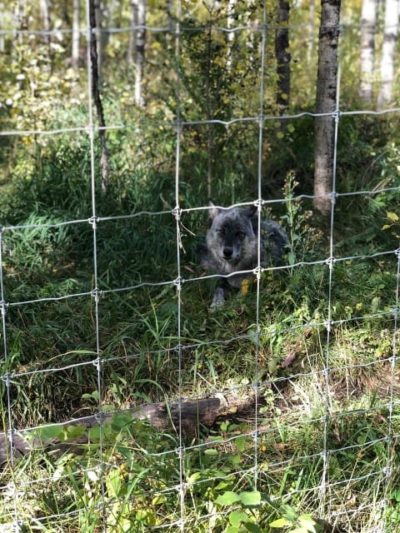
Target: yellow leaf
{"x":392,"y":216}
{"x":245,"y":287}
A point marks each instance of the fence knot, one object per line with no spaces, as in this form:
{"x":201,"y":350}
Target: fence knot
{"x":3,"y":308}
{"x":259,"y":203}
{"x":6,"y":378}
{"x":177,"y":213}
{"x":96,"y":294}
{"x":178,"y":282}
{"x":178,"y":348}
{"x":336,"y":115}
{"x":179,"y":453}
{"x":93,"y":221}
{"x":397,"y":252}
{"x":330,"y":261}
{"x":333,"y":195}
{"x":257,"y":272}
{"x":97,"y":363}
{"x":100,"y":417}
{"x":328,"y":325}
{"x":178,"y":126}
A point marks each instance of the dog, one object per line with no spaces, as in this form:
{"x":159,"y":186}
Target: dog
{"x":231,"y":245}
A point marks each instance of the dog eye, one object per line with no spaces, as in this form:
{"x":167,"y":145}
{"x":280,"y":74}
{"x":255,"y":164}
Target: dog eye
{"x":240,"y":234}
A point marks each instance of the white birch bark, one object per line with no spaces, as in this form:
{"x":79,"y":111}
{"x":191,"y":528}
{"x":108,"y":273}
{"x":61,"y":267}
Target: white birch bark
{"x":368,"y":24}
{"x":231,"y":35}
{"x":131,"y":56}
{"x":311,"y":21}
{"x":388,"y":52}
{"x":140,"y":51}
{"x":326,"y":103}
{"x":45,"y":14}
{"x":75,"y":34}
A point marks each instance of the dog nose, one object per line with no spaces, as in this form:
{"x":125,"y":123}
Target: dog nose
{"x":228,"y":251}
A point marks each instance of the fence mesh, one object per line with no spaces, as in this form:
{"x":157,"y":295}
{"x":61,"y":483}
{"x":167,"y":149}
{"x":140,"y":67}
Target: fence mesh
{"x":258,"y":472}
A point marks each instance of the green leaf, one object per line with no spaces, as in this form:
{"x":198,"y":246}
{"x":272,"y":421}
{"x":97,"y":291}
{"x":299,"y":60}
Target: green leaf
{"x":120,"y":421}
{"x":254,"y":528}
{"x":250,"y":498}
{"x":227,"y":498}
{"x":237,"y":517}
{"x":94,"y":434}
{"x":211,"y":452}
{"x":281,"y":522}
{"x":73,"y":432}
{"x":50,"y":432}
{"x":241,"y":444}
{"x":114,"y":483}
{"x":307,"y":521}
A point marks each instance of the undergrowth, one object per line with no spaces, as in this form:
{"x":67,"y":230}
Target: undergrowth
{"x":138,"y":337}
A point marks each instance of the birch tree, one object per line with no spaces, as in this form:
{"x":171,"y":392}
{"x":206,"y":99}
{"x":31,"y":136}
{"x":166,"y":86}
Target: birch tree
{"x":368,"y":24}
{"x":2,"y":39}
{"x":388,"y":52}
{"x":138,"y":45}
{"x":282,"y":56}
{"x":311,"y":21}
{"x":326,"y":103}
{"x":131,"y":55}
{"x":231,"y":34}
{"x":45,"y":16}
{"x":75,"y":34}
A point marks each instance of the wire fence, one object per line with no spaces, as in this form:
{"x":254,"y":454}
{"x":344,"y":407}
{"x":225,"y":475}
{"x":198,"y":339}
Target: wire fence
{"x":323,"y":376}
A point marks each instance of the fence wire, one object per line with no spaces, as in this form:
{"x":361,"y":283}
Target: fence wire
{"x":15,"y":488}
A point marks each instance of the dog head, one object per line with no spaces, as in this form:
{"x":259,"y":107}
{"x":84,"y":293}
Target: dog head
{"x":231,"y":239}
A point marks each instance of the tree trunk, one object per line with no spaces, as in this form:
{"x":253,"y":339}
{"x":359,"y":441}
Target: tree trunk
{"x":98,"y":24}
{"x":388,"y":52}
{"x":20,"y":19}
{"x":2,"y":39}
{"x":97,"y":97}
{"x":368,"y":23}
{"x":230,"y":35}
{"x":282,"y":56}
{"x":140,"y":38}
{"x":75,"y":34}
{"x":326,"y":103}
{"x":45,"y":16}
{"x":311,"y":19}
{"x":131,"y":56}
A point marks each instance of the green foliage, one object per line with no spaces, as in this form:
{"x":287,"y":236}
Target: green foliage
{"x":125,"y":464}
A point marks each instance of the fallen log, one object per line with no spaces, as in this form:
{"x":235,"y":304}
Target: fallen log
{"x":163,"y":416}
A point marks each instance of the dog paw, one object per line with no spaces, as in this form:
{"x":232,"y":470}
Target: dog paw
{"x":217,"y":303}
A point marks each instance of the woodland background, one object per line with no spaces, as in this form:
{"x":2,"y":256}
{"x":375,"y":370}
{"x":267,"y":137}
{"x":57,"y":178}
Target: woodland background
{"x":126,"y":475}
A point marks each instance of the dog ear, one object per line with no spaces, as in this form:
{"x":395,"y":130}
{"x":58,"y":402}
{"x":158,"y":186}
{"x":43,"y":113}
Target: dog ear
{"x":250,"y":211}
{"x":212,"y":211}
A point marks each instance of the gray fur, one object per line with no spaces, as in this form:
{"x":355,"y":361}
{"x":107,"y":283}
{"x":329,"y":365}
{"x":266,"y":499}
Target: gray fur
{"x":231,"y":245}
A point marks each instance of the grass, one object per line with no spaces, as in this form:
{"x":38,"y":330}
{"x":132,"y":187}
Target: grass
{"x":138,"y":334}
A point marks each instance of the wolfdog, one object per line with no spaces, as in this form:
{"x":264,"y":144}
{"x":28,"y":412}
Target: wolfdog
{"x":231,"y":245}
